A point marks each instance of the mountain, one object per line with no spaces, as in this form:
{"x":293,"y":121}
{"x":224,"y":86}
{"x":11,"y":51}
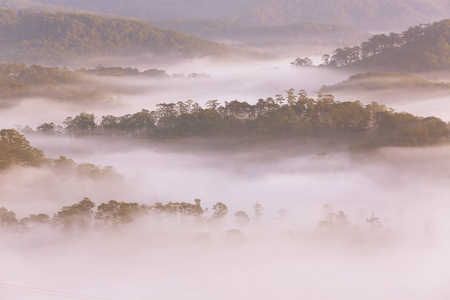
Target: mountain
{"x":361,"y":14}
{"x":219,"y":30}
{"x":51,"y":38}
{"x":425,"y":47}
{"x":377,"y":81}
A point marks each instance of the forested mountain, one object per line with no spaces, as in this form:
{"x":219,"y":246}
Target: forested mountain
{"x":295,"y":117}
{"x":19,"y":81}
{"x":362,"y":14}
{"x":420,"y":48}
{"x":218,"y":30}
{"x":375,"y":81}
{"x":57,"y":37}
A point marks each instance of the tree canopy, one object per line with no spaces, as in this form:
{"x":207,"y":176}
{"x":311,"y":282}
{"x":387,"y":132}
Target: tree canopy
{"x":60,"y":37}
{"x":295,"y":116}
{"x":424,"y":47}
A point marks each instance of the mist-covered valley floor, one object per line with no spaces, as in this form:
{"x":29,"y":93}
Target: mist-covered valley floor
{"x":403,"y":255}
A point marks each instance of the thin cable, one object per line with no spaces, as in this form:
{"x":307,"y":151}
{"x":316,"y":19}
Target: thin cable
{"x":48,"y":292}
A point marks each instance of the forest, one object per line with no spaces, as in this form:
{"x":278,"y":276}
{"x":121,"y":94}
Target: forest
{"x":368,"y":14}
{"x":382,"y":81}
{"x":43,"y":37}
{"x":301,"y":32}
{"x":146,"y":162}
{"x":424,"y":47}
{"x":294,"y":116}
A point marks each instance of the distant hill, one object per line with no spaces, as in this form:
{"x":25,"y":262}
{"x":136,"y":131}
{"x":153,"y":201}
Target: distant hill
{"x":420,"y":48}
{"x":219,"y":30}
{"x":51,"y":38}
{"x":361,"y":14}
{"x":19,"y":81}
{"x":375,"y":81}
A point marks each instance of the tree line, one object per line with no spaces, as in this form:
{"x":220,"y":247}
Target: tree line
{"x":420,"y":48}
{"x":86,"y":215}
{"x":295,"y":116}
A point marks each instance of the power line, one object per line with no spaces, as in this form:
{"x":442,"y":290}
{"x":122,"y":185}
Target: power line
{"x":26,"y":289}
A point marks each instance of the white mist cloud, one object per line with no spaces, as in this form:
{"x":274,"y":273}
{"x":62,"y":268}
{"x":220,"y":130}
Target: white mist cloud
{"x":406,"y":188}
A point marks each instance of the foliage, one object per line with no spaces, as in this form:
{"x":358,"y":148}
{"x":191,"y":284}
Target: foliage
{"x":242,"y":219}
{"x":7,"y":218}
{"x":385,"y":81}
{"x":84,"y":216}
{"x":420,"y":48}
{"x":57,"y":37}
{"x":300,"y":32}
{"x":295,"y":116}
{"x":369,"y":14}
{"x":220,"y":210}
{"x":302,"y":62}
{"x":122,"y":72}
{"x":15,"y":149}
{"x":76,"y":216}
{"x":115,"y":213}
{"x":179,"y":208}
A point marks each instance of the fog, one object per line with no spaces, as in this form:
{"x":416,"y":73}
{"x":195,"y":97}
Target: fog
{"x":292,"y":258}
{"x":243,"y":81}
{"x":406,"y":188}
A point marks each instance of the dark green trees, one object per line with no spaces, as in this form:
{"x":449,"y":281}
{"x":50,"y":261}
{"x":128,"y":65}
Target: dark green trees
{"x":15,"y":149}
{"x":420,"y":48}
{"x":76,"y":216}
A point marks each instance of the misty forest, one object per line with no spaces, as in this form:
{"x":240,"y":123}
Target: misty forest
{"x":252,"y":149}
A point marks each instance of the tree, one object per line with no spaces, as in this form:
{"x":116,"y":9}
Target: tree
{"x":34,"y":220}
{"x":116,"y":213}
{"x":374,"y":221}
{"x":257,"y":211}
{"x":334,"y":220}
{"x":302,"y":62}
{"x":242,"y":218}
{"x":46,"y":128}
{"x":76,"y":216}
{"x":15,"y":149}
{"x":7,"y":218}
{"x":220,"y":211}
{"x":82,"y":124}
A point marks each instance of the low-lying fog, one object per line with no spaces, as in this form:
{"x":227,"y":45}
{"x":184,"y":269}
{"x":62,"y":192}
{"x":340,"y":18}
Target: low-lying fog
{"x":407,"y":188}
{"x":248,"y":81}
{"x":404,"y":259}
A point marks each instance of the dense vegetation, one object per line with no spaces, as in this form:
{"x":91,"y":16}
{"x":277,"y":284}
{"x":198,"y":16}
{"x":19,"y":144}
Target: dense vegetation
{"x":420,"y":48}
{"x":122,"y":72}
{"x":85,"y":215}
{"x":15,"y":150}
{"x":365,"y":14}
{"x":300,"y":32}
{"x":296,"y":116}
{"x":55,"y":37}
{"x":372,"y":81}
{"x":18,"y":80}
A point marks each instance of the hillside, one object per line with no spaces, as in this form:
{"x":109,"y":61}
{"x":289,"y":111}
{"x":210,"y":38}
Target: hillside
{"x":361,"y":14}
{"x":375,"y":81}
{"x":218,"y":30}
{"x":51,"y":38}
{"x":420,"y":48}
